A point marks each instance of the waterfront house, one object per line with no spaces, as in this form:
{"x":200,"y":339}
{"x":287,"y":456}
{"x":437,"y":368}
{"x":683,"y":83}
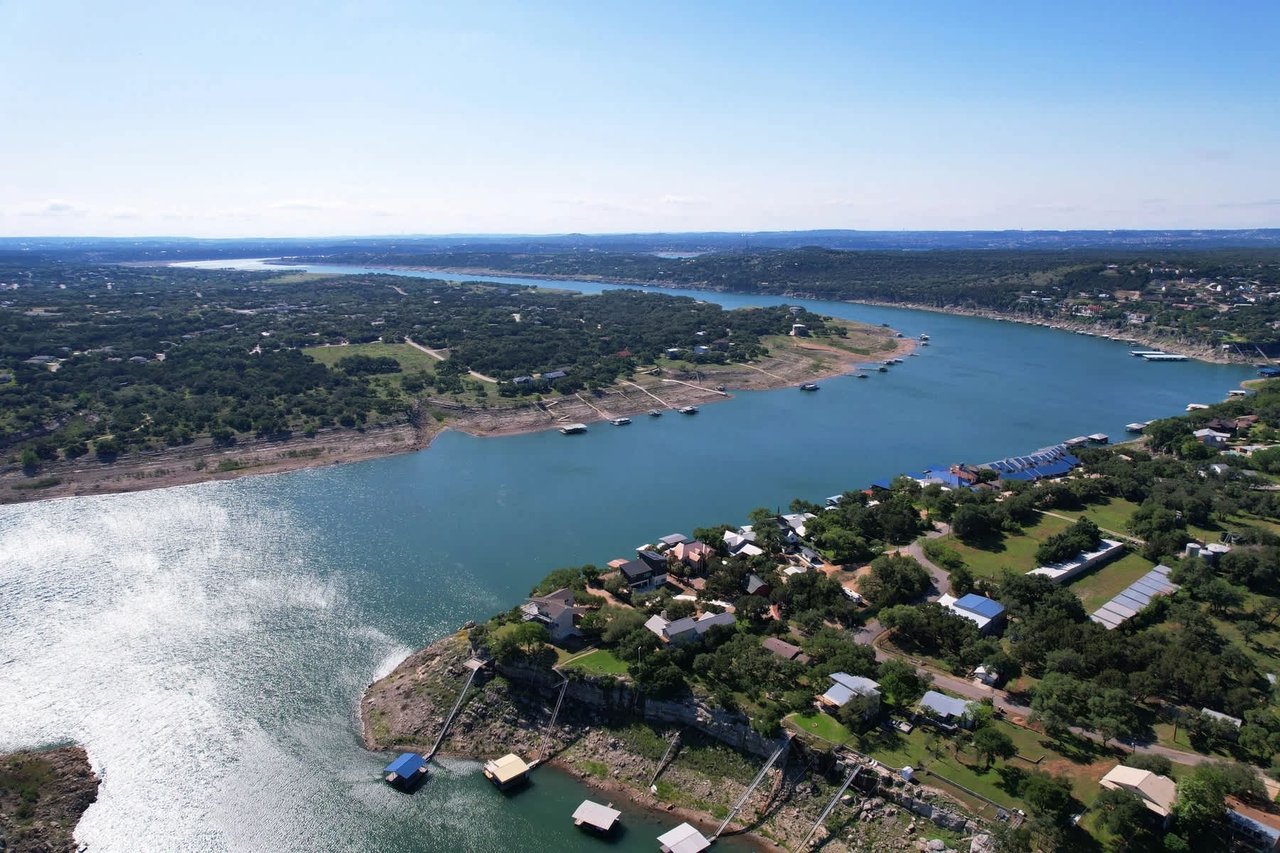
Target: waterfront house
{"x":686,"y":629}
{"x":648,"y":571}
{"x":844,"y":687}
{"x":1211,"y":438}
{"x":555,"y":611}
{"x":683,"y":839}
{"x":946,"y":712}
{"x":785,"y":650}
{"x":986,"y":613}
{"x":693,"y":554}
{"x":1156,"y":792}
{"x":506,"y":772}
{"x":1222,"y":425}
{"x":795,"y":522}
{"x":671,"y":540}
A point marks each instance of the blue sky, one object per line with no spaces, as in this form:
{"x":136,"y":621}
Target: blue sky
{"x":378,"y":117}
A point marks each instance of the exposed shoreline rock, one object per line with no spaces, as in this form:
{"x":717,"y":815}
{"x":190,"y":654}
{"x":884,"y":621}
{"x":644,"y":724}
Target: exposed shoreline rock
{"x":43,"y":794}
{"x":613,"y":739}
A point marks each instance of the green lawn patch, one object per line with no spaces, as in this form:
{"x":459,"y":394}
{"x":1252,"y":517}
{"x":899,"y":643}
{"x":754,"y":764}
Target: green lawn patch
{"x":1113,"y":515}
{"x":1018,"y":553}
{"x":1099,"y":586}
{"x":411,"y":359}
{"x":823,"y":725}
{"x":600,"y":662}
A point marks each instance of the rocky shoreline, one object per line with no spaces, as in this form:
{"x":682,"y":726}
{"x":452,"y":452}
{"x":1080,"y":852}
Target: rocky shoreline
{"x":43,"y":794}
{"x":612,"y":739}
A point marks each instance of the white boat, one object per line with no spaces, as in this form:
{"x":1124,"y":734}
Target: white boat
{"x":620,"y":421}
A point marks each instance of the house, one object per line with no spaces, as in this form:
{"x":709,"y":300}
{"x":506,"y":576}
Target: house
{"x":1222,"y":425}
{"x":693,"y":554}
{"x":1246,"y":421}
{"x":522,"y":380}
{"x":844,"y":687}
{"x":986,"y":613}
{"x":944,"y":711}
{"x":986,"y":675}
{"x":555,"y":611}
{"x":742,"y":544}
{"x":1156,"y":792}
{"x":1218,"y":716}
{"x":799,"y":330}
{"x":688,"y":628}
{"x":1251,"y":828}
{"x":671,"y":540}
{"x":683,"y":839}
{"x":795,"y":522}
{"x":555,"y":374}
{"x":673,"y":352}
{"x":785,"y":650}
{"x":1211,"y":438}
{"x":701,"y":350}
{"x":755,"y":585}
{"x":811,"y":557}
{"x":1106,"y":551}
{"x":648,"y":571}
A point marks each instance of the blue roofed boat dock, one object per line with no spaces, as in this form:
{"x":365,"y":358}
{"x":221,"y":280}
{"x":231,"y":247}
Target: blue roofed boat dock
{"x":406,"y":772}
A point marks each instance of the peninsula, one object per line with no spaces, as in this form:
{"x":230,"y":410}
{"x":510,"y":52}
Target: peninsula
{"x":951,"y":656}
{"x":118,"y":378}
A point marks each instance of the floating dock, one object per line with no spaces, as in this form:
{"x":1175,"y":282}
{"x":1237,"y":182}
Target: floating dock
{"x":688,"y":410}
{"x":809,"y":386}
{"x":573,"y":429}
{"x":620,"y":421}
{"x":1137,"y":426}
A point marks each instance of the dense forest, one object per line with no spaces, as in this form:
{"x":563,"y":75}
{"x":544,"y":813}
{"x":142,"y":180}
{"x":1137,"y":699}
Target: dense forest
{"x":111,"y":359}
{"x":1206,"y":296}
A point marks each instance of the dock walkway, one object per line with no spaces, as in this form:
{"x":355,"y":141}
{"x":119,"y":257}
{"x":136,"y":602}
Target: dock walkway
{"x":755,"y":783}
{"x":475,"y":665}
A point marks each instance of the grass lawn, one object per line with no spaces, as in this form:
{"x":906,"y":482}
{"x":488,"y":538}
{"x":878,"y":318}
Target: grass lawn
{"x":1018,"y":553}
{"x":823,"y":725}
{"x":600,"y":662}
{"x":1099,"y":586}
{"x":1112,"y":515}
{"x":411,"y":360}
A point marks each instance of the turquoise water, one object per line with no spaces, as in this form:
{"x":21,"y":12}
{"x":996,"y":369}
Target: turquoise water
{"x":208,"y":643}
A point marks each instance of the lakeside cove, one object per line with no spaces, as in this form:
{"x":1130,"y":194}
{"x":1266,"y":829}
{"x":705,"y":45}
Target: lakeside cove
{"x":341,"y":571}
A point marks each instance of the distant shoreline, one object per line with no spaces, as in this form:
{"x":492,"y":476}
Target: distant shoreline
{"x":1203,"y":353}
{"x":201,"y":461}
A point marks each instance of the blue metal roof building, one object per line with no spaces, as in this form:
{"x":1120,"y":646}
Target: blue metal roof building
{"x":405,"y":769}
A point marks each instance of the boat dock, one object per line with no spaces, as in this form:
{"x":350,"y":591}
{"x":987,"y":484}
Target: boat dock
{"x":506,"y":772}
{"x":595,"y":817}
{"x":1136,"y":426}
{"x":573,"y":429}
{"x":1156,"y":355}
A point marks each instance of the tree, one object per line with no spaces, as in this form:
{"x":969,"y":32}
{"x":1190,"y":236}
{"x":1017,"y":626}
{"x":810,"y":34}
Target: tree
{"x":1059,"y":702}
{"x":1112,"y":714}
{"x":530,"y":636}
{"x":895,"y":579}
{"x":1199,"y":807}
{"x":1049,"y":796}
{"x":680,"y":609}
{"x":972,"y":522}
{"x":990,"y":743}
{"x":900,"y":683}
{"x":1122,"y":814}
{"x":961,"y":579}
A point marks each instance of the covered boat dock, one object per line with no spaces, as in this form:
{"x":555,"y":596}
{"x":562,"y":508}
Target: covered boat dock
{"x":595,"y":817}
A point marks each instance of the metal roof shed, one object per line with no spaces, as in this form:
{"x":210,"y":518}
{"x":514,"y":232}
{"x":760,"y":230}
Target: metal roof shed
{"x":592,"y":815}
{"x":683,"y":839}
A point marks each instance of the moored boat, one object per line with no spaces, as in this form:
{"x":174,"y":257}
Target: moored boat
{"x":809,"y":386}
{"x":688,"y":410}
{"x":620,"y":421}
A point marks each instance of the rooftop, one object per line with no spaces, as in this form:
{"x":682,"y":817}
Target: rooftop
{"x":1157,"y":792}
{"x":596,"y":815}
{"x":507,"y":768}
{"x":943,"y":705}
{"x":683,"y":839}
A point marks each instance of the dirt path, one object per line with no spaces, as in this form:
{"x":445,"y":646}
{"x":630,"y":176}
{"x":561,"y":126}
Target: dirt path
{"x":439,"y":356}
{"x":1113,"y":533}
{"x":663,"y":402}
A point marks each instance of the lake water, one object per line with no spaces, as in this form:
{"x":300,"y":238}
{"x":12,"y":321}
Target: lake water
{"x":208,"y":643}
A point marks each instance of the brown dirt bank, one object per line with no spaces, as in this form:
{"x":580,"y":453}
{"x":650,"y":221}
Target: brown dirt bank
{"x":42,"y":796}
{"x":614,"y":750}
{"x":793,"y":361}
